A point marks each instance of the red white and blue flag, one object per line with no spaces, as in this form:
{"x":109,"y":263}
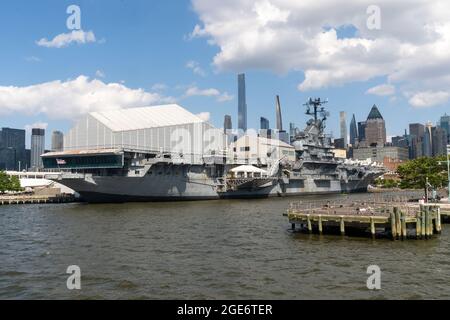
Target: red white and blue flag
{"x":60,"y":162}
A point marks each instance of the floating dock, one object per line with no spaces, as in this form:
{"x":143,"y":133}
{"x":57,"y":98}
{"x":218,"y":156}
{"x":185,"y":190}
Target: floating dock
{"x":383,"y":219}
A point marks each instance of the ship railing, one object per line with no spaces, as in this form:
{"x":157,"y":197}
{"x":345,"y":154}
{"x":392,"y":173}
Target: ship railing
{"x":143,"y":150}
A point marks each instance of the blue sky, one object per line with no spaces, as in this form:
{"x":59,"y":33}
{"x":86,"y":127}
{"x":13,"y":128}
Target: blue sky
{"x":142,"y":43}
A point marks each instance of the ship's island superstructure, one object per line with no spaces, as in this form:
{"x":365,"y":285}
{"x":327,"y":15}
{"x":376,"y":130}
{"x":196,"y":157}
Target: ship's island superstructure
{"x":166,"y":153}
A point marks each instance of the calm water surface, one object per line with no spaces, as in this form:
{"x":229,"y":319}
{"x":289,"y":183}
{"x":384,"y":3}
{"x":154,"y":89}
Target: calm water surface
{"x":239,"y":249}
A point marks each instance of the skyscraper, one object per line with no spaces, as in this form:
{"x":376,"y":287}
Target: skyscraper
{"x":57,"y":141}
{"x":343,"y":124}
{"x":242,"y":103}
{"x":12,"y":149}
{"x":444,"y":123}
{"x":227,"y":124}
{"x":228,"y":128}
{"x":265,"y":128}
{"x":416,"y":133}
{"x":292,"y":131}
{"x":400,"y":141}
{"x":375,"y":128}
{"x":428,"y":140}
{"x":37,"y":148}
{"x":362,"y":131}
{"x":279,"y":116}
{"x":439,"y":141}
{"x":417,"y":130}
{"x":265,"y":125}
{"x":280,"y":133}
{"x":353,"y":132}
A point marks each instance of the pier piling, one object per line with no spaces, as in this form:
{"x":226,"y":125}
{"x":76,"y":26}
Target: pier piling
{"x":423,"y":220}
{"x":404,"y":230}
{"x":320,"y":224}
{"x":438,"y":220}
{"x":398,"y":223}
{"x":342,"y":225}
{"x":403,"y":220}
{"x":372,"y":227}
{"x":393,"y":226}
{"x":419,"y":225}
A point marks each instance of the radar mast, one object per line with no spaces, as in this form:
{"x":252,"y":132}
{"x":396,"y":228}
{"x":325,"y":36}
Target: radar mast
{"x":318,"y":110}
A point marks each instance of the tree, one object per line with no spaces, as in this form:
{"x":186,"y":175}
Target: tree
{"x":414,"y":173}
{"x":9,"y":183}
{"x":15,"y":184}
{"x":4,"y":182}
{"x":386,"y":183}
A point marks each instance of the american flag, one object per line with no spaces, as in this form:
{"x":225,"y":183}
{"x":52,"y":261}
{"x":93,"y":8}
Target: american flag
{"x":60,"y":162}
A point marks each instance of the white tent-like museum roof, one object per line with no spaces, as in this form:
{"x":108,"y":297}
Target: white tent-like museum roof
{"x":146,"y":117}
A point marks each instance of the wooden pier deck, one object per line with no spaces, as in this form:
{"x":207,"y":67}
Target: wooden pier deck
{"x":29,"y":199}
{"x":391,"y":219}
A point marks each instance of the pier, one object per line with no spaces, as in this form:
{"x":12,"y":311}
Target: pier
{"x":396,"y":220}
{"x":29,"y":199}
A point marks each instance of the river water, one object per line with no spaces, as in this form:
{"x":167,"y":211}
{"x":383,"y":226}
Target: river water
{"x":233,"y":249}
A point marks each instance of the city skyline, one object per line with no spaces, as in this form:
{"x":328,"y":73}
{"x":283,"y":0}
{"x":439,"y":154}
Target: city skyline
{"x":46,"y":79}
{"x":49,"y":142}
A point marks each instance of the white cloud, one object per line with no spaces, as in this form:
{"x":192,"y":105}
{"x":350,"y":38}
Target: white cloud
{"x":267,"y":12}
{"x":205,"y":116}
{"x":194,"y":91}
{"x":196,"y":69}
{"x":224,"y":97}
{"x":33,"y":59}
{"x":410,"y":50}
{"x":65,"y":39}
{"x":99,"y":74}
{"x":72,"y":98}
{"x":159,"y":87}
{"x":382,"y":90}
{"x":197,"y":32}
{"x":429,"y":99}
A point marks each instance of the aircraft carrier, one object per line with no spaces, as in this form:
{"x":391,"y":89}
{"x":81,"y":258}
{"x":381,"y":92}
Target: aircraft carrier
{"x":165,"y":153}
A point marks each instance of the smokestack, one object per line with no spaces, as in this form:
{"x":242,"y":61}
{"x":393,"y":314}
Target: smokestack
{"x":279,"y":117}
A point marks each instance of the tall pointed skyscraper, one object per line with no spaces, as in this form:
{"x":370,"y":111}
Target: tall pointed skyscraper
{"x":375,"y":128}
{"x":280,"y":133}
{"x":353,"y":131}
{"x":242,"y":104}
{"x":279,"y":116}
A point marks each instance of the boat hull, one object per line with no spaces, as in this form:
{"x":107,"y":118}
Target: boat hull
{"x":169,"y":188}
